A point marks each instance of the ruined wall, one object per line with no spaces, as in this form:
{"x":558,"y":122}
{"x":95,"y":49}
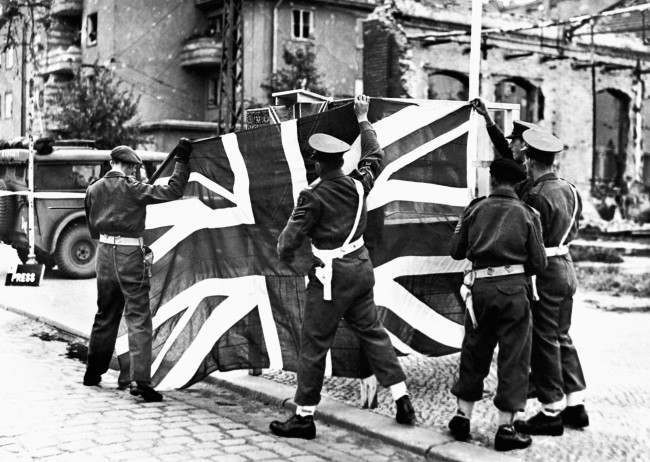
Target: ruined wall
{"x":567,"y":91}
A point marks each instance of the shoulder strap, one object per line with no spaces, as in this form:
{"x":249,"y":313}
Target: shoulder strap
{"x":573,"y":216}
{"x":359,"y":188}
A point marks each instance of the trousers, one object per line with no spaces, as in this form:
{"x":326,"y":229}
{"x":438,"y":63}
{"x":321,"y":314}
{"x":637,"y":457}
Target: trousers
{"x":555,"y":366}
{"x":502,"y":310}
{"x":353,"y":300}
{"x":122,"y":287}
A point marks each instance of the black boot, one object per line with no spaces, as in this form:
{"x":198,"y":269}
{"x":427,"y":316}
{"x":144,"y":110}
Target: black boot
{"x":459,"y":427}
{"x":296,"y":426}
{"x":507,"y":438}
{"x":575,"y":416}
{"x":91,"y":379}
{"x":405,"y":413}
{"x":541,"y":424}
{"x":148,"y":394}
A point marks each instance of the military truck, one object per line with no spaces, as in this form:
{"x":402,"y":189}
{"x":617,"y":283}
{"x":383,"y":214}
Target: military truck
{"x":61,"y":233}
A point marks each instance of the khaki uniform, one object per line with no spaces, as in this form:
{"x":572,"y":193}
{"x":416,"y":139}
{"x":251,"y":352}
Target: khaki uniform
{"x":327,"y":213}
{"x":493,"y":232}
{"x":116,"y":206}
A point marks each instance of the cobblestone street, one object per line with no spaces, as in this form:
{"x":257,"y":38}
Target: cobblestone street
{"x":613,"y":348}
{"x":47,"y":414}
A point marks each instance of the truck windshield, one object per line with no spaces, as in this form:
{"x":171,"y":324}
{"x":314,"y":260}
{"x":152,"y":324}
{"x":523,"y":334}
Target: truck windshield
{"x":58,"y":177}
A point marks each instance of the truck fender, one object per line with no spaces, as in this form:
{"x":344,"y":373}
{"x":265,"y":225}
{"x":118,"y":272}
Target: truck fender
{"x":64,"y":223}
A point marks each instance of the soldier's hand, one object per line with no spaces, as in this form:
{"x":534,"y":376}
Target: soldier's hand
{"x":361,"y":106}
{"x":479,"y":107}
{"x":183,"y":150}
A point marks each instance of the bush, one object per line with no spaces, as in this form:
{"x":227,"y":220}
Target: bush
{"x":613,"y":280}
{"x":595,"y":254}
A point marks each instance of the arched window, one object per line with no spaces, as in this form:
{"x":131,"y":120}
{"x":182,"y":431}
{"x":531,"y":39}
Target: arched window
{"x":448,"y":85}
{"x":612,"y":125}
{"x":520,"y":91}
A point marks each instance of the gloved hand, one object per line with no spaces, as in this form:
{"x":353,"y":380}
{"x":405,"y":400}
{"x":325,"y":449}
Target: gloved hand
{"x":183,"y":150}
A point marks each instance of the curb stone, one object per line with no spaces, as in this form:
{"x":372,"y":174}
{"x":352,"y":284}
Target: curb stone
{"x":431,"y":444}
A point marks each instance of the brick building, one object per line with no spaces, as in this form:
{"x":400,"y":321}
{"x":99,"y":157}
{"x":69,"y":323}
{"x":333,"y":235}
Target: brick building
{"x":548,"y":71}
{"x":170,"y":51}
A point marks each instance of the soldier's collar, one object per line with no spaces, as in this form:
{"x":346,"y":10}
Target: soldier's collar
{"x":114,"y":173}
{"x":332,"y":174}
{"x":504,"y":192}
{"x":546,"y":177}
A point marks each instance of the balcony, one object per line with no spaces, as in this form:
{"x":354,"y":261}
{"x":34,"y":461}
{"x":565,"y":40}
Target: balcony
{"x":68,"y":8}
{"x":61,"y":35}
{"x":201,"y":53}
{"x":62,"y":61}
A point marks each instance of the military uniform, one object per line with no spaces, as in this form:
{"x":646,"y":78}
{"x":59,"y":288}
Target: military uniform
{"x":333,"y":214}
{"x":503,"y":149}
{"x":116,"y":209}
{"x":556,"y":369}
{"x":498,"y":232}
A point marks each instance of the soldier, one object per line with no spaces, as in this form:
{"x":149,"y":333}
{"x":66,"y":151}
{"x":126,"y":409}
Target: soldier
{"x":115,"y":210}
{"x":507,"y":149}
{"x":502,"y":237}
{"x":556,"y":371}
{"x":333,"y":214}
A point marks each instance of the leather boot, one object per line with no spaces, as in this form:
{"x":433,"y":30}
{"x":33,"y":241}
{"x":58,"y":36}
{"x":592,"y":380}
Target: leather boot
{"x":459,"y":427}
{"x":296,"y":426}
{"x":146,"y":392}
{"x":507,"y":438}
{"x":541,"y":424}
{"x":575,"y":416}
{"x":91,"y":379}
{"x":405,"y":414}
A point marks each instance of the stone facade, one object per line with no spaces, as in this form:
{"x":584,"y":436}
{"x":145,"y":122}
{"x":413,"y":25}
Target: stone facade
{"x":552,"y":80}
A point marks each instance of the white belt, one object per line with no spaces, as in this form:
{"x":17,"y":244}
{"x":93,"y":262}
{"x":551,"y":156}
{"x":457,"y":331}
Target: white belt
{"x":491,"y":272}
{"x":557,"y":251}
{"x":121,"y":240}
{"x":327,"y":256}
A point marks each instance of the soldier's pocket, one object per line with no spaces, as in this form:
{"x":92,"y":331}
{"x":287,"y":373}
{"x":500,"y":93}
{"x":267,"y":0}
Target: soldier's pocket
{"x":511,"y":289}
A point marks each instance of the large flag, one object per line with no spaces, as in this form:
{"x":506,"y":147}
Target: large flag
{"x":221,"y":298}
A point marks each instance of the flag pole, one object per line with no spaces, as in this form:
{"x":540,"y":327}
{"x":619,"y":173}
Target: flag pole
{"x":474,"y":79}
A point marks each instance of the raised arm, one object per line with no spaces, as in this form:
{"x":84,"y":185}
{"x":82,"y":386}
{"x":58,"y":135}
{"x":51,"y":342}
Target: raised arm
{"x":370,"y":165}
{"x":499,"y":141}
{"x":152,"y":194}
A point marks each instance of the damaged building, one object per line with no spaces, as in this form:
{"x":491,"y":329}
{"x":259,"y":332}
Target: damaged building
{"x":585,"y":81}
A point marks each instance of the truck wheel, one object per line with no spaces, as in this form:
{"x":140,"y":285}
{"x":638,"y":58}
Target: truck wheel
{"x":75,"y":253}
{"x":7,"y":211}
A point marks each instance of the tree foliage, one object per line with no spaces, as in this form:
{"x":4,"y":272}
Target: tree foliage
{"x":97,"y":105}
{"x":300,"y":71}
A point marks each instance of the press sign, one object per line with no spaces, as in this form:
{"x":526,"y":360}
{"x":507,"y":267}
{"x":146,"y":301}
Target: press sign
{"x":25,"y":275}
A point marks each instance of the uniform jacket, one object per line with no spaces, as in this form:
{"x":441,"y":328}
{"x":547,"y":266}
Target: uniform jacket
{"x":500,"y":230}
{"x":504,"y":150}
{"x":325,"y":212}
{"x":116,"y":204}
{"x":553,"y":198}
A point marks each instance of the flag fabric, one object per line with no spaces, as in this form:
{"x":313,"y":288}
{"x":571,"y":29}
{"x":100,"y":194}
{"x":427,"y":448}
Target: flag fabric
{"x":222,"y":300}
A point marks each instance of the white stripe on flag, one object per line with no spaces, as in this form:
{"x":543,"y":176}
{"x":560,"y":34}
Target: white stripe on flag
{"x":291,"y":147}
{"x":386,"y":190}
{"x":393,"y":296}
{"x":328,"y":363}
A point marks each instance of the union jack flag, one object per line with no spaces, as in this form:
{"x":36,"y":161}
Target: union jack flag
{"x":221,"y":298}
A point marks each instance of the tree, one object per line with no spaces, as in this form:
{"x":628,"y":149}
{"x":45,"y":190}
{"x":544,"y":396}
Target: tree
{"x":96,"y":105}
{"x":300,"y":72}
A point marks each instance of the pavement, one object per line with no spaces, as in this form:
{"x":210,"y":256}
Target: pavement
{"x":48,"y":415}
{"x":614,"y":351}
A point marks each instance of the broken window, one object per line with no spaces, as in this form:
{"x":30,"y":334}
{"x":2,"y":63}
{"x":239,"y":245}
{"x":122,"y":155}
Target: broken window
{"x":612,"y":125}
{"x":448,"y":85}
{"x":520,"y":91}
{"x":9,"y":105}
{"x":91,"y":29}
{"x":302,"y":24}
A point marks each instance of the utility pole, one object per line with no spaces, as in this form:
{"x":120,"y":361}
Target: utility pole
{"x":231,"y":73}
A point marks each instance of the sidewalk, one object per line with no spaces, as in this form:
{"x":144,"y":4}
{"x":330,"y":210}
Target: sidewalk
{"x":69,"y":305}
{"x":614,"y":352}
